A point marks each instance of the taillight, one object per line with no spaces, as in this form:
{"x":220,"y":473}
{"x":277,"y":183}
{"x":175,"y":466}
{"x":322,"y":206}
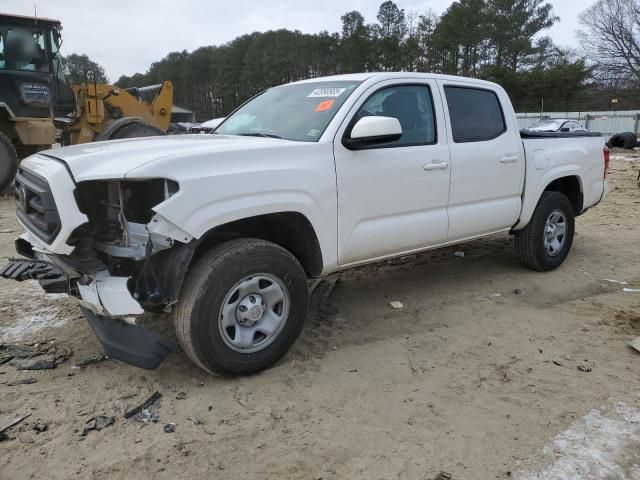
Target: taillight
{"x":606,"y":160}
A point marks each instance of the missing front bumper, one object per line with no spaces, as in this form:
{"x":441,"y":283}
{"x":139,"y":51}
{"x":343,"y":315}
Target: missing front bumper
{"x":130,"y":343}
{"x":120,"y":340}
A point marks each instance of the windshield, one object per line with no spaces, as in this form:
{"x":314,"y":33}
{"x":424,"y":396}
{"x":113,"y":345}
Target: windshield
{"x":547,"y":125}
{"x":293,"y":112}
{"x":23,"y":48}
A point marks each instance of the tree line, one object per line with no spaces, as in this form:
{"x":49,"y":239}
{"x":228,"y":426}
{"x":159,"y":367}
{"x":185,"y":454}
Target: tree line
{"x":498,"y":40}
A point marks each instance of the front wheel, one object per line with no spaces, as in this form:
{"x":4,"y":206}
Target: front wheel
{"x":241,"y":307}
{"x":545,"y":242}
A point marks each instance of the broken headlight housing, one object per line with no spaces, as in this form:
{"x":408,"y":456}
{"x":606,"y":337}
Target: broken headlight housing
{"x":119,"y":211}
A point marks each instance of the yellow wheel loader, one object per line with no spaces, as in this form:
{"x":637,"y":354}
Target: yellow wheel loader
{"x":38,"y":107}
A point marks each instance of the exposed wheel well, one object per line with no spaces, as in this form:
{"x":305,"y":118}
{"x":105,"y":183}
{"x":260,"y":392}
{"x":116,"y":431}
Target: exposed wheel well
{"x":570,"y":187}
{"x":290,"y":230}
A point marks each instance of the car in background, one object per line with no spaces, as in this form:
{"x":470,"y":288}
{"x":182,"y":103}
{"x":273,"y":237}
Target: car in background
{"x":557,"y":125}
{"x":210,"y":125}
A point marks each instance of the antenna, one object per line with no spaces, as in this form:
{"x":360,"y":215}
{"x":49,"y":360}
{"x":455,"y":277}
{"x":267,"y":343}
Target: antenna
{"x":35,"y":12}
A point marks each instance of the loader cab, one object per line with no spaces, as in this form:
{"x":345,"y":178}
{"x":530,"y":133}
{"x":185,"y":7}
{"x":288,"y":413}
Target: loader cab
{"x":32,"y":78}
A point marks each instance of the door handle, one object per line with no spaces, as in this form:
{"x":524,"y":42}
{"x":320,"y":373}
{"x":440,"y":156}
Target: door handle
{"x":429,"y":167}
{"x":509,"y":159}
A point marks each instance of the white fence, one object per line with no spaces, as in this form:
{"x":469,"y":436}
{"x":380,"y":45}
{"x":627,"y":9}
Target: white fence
{"x":607,"y":123}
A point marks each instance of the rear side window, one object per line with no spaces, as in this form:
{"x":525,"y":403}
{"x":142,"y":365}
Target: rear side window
{"x":476,"y":114}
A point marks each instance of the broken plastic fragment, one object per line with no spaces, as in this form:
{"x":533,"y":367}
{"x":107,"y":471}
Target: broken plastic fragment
{"x":396,"y":305}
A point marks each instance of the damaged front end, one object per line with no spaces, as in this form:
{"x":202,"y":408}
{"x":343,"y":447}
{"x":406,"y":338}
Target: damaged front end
{"x":125,"y":245}
{"x":120,"y":259}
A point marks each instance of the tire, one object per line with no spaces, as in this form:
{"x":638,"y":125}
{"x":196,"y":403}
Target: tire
{"x":217,"y":341}
{"x":532,"y":242}
{"x":136,"y":130}
{"x":627,"y":140}
{"x":8,"y":162}
{"x":630,"y":140}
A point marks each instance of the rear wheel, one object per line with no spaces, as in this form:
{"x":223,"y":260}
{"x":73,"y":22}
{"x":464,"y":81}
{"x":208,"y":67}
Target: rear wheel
{"x":241,"y":307}
{"x":8,"y":162}
{"x":136,"y":130}
{"x":545,"y":242}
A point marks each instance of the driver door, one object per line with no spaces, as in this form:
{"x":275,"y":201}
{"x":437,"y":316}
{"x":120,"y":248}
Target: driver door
{"x":392,"y":197}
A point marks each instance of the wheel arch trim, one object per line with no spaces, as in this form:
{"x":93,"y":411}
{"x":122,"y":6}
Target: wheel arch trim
{"x":534,"y":190}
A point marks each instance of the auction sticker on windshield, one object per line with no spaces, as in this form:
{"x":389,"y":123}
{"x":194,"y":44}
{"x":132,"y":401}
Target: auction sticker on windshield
{"x":324,"y":106}
{"x":326,"y":92}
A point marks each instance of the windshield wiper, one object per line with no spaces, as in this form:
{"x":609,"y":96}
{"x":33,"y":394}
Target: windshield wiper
{"x":259,"y":134}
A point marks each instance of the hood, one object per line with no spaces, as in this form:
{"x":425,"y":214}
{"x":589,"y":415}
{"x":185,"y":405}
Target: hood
{"x":115,"y":159}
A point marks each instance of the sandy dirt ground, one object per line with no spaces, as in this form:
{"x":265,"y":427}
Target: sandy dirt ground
{"x":460,"y":380}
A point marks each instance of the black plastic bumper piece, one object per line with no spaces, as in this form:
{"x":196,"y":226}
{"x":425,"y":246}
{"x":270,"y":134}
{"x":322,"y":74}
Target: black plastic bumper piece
{"x":51,"y":278}
{"x":130,"y":343}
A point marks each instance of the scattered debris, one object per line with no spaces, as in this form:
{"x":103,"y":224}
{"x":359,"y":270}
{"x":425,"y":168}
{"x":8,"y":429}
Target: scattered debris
{"x":181,"y":396}
{"x":241,"y":398}
{"x":635,"y":344}
{"x":6,"y":425}
{"x":195,"y":420}
{"x":631,"y":290}
{"x":41,"y":362}
{"x":147,"y":415}
{"x":121,"y":406}
{"x":517,"y":291}
{"x":24,"y":381}
{"x":443,"y":476}
{"x":459,"y":254}
{"x":396,"y":305}
{"x":97,"y":423}
{"x":586,"y":366}
{"x":95,"y":358}
{"x":558,"y":363}
{"x":39,"y":426}
{"x":611,"y":280}
{"x":36,"y":356}
{"x":488,"y":296}
{"x":170,"y":428}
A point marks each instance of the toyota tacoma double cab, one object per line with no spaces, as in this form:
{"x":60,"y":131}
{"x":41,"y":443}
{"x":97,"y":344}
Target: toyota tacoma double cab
{"x":223,"y":231}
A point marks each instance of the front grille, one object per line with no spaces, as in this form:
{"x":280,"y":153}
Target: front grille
{"x":35,"y":206}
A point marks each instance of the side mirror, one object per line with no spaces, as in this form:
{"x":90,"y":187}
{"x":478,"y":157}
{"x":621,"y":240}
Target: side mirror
{"x":370,"y":131}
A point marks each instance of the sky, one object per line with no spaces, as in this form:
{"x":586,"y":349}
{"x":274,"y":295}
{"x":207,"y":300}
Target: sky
{"x":125,"y":37}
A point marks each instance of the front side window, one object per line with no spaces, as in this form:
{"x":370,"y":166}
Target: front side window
{"x":299,"y":112}
{"x":22,"y":48}
{"x":476,"y":114}
{"x":412,"y":105}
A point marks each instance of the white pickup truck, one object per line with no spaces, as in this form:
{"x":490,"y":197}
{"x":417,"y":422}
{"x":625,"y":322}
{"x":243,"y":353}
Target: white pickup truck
{"x":223,"y":231}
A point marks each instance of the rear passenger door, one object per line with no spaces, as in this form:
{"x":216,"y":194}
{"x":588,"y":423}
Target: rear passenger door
{"x":487,"y":162}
